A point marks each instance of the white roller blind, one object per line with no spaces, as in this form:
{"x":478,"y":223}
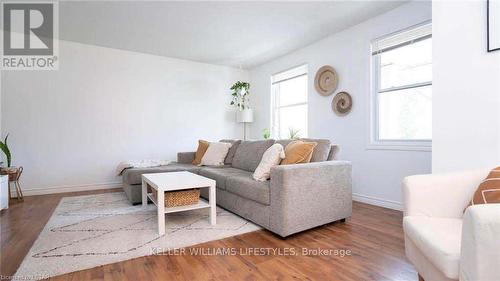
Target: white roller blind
{"x":289,"y":74}
{"x":410,"y":36}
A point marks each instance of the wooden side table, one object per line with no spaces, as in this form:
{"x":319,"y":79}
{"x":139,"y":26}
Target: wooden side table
{"x":14,"y":176}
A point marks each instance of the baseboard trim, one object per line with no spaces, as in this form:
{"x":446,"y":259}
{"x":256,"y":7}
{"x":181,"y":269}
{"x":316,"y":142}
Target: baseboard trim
{"x":98,"y":186}
{"x":377,"y":201}
{"x":68,"y":188}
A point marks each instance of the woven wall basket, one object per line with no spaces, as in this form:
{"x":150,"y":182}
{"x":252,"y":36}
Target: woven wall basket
{"x":326,"y":80}
{"x":342,"y":104}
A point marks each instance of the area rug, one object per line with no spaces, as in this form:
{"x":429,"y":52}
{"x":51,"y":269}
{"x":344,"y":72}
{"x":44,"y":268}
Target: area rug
{"x":93,"y":230}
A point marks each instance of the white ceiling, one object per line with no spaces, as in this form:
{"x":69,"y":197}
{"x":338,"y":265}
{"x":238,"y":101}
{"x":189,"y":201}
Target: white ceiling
{"x":240,"y":34}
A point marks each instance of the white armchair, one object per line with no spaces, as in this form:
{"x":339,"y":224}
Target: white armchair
{"x":441,"y":241}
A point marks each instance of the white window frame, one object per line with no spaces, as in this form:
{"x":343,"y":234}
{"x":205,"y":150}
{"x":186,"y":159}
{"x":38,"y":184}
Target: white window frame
{"x":288,"y":74}
{"x":384,"y":144}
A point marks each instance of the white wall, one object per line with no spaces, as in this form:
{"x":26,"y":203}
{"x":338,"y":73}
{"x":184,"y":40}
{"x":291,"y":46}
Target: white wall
{"x":466,"y":105}
{"x":71,"y":127}
{"x":377,"y":173}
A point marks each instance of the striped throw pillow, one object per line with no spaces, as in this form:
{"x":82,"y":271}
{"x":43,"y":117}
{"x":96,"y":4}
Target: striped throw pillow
{"x":489,"y":189}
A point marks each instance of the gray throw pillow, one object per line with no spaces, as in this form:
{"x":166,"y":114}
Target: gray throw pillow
{"x":249,"y":154}
{"x":232,"y":150}
{"x":284,"y":142}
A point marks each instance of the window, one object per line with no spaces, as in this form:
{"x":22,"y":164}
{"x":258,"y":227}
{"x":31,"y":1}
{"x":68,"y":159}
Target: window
{"x":289,"y":103}
{"x":402,"y":89}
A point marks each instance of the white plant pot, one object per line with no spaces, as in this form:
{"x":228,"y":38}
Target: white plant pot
{"x":4,"y":192}
{"x":244,"y":116}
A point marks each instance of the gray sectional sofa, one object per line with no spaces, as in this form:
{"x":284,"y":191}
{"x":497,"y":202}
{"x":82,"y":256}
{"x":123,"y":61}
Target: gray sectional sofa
{"x":296,"y":198}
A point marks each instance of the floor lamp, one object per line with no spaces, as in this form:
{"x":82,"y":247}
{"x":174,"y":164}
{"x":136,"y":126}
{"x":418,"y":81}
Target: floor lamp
{"x":244,"y":116}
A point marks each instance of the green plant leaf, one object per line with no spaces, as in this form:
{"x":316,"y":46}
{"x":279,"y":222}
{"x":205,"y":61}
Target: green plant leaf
{"x":293,"y":133}
{"x":5,"y":149}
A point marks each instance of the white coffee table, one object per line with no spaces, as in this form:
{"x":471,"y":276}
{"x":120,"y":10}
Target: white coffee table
{"x":173,"y":181}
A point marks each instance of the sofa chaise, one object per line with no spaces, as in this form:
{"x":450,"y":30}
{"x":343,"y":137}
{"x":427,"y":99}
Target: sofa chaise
{"x":296,"y":198}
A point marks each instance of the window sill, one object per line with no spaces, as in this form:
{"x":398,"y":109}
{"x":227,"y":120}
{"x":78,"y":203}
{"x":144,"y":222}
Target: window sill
{"x":400,"y":146}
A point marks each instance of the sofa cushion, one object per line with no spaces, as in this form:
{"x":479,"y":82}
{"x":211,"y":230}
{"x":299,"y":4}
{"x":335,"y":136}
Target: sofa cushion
{"x":321,"y":151}
{"x":220,"y":174}
{"x":284,"y":142}
{"x":245,"y":186}
{"x":133,"y":175}
{"x":202,"y":148}
{"x":298,"y":152}
{"x":334,"y":152}
{"x":232,"y":150}
{"x":215,"y":154}
{"x":271,"y":158}
{"x":249,"y":153}
{"x":439,"y":239}
{"x":488,"y":192}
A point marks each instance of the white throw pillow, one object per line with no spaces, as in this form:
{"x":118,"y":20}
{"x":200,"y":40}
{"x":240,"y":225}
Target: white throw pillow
{"x":272,"y":157}
{"x":215,"y":154}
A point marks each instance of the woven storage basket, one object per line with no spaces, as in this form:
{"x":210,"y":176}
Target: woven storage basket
{"x":180,"y":198}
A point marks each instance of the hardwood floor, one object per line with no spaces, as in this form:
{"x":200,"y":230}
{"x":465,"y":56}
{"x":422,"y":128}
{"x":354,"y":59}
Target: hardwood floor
{"x":373,"y":235}
{"x":21,"y":224}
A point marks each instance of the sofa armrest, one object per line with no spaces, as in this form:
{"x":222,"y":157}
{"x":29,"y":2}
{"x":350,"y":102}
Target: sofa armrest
{"x":185,"y":157}
{"x":308,"y":195}
{"x":440,"y":195}
{"x":480,"y":253}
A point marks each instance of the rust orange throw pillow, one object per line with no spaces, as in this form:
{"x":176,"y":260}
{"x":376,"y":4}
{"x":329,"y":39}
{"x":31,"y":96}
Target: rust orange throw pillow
{"x":202,"y":148}
{"x":489,"y":190}
{"x":298,"y":152}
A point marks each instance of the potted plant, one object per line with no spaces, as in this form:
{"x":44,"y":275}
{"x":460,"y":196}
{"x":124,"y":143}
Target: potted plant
{"x":266,"y":134}
{"x":8,"y":170}
{"x":240,"y":93}
{"x":293,"y":133}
